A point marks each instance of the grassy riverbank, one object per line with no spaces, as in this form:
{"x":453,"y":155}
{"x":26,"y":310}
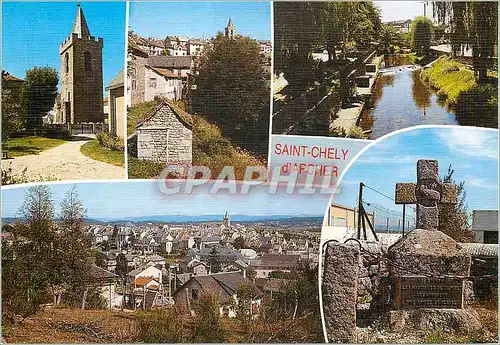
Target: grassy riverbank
{"x":456,"y":85}
{"x":450,"y":78}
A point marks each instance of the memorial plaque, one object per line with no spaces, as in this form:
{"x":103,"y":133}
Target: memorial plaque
{"x":423,"y":292}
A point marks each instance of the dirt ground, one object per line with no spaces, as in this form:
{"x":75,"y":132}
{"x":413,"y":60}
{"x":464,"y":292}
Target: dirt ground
{"x":73,"y":326}
{"x":64,"y":162}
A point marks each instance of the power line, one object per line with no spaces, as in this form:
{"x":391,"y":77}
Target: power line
{"x":385,"y":195}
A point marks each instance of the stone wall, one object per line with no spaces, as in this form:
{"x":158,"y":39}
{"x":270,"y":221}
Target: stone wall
{"x":137,"y":73}
{"x":164,"y":137}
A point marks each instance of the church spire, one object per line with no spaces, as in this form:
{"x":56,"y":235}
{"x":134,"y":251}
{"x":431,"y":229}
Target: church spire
{"x":229,"y":29}
{"x":80,"y":26}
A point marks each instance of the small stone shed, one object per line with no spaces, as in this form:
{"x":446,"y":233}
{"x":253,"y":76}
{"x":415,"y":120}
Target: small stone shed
{"x":165,"y":135}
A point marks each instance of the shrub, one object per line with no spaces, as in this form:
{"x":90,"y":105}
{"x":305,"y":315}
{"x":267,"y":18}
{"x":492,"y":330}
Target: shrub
{"x":212,"y":150}
{"x":168,"y":325}
{"x":354,"y":132}
{"x":143,"y":169}
{"x":9,"y":177}
{"x":110,"y":141}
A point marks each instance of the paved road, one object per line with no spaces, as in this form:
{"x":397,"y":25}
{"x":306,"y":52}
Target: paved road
{"x":64,"y":162}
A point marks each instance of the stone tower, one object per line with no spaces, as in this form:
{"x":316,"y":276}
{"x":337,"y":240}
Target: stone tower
{"x":81,"y":74}
{"x":226,"y":221}
{"x":229,"y":30}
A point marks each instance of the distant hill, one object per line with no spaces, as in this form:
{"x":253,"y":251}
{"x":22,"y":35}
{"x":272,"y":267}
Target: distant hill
{"x":270,"y":220}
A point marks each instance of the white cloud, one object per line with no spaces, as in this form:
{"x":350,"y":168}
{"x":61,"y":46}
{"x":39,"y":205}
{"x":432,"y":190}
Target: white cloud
{"x":468,"y":141}
{"x":481,"y":183}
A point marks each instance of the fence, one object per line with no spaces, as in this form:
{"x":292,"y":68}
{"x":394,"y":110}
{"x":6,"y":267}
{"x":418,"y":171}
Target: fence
{"x":289,"y":116}
{"x":87,"y":128}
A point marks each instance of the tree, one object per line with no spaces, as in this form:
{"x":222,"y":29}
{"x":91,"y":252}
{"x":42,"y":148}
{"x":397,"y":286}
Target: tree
{"x":296,"y":31}
{"x":454,"y":218}
{"x":208,"y":328}
{"x":473,"y":24}
{"x":232,"y":91}
{"x":214,"y":261}
{"x":239,"y":242}
{"x":28,"y":259}
{"x":74,"y":251}
{"x":38,"y":94}
{"x":421,"y":35}
{"x":246,"y":294}
{"x":12,"y":111}
{"x":121,"y":270}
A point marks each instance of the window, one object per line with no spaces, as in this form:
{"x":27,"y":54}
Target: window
{"x":332,"y":221}
{"x":66,"y":63}
{"x":87,"y":61}
{"x":341,"y":221}
{"x":134,"y":84}
{"x":152,"y":82}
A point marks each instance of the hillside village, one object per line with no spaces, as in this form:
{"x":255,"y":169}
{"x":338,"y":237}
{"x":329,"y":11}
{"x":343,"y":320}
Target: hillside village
{"x":163,"y":67}
{"x":166,"y":263}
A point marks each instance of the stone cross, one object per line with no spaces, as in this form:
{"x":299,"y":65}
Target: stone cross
{"x":427,"y":193}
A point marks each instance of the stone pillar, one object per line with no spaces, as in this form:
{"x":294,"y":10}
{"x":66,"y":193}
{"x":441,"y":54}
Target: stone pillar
{"x":340,"y":291}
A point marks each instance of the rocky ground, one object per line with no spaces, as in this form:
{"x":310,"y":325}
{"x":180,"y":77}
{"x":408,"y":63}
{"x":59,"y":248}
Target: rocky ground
{"x":487,"y":334}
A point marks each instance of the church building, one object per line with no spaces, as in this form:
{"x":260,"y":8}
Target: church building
{"x":229,"y":29}
{"x":81,"y":75}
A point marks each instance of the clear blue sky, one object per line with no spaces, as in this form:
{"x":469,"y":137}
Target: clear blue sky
{"x":399,"y":10}
{"x":472,"y":152}
{"x":200,"y":19}
{"x":32,"y":32}
{"x":143,"y":198}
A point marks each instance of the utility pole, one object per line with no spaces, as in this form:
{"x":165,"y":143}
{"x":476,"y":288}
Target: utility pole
{"x":404,"y":214}
{"x":387,"y":225}
{"x":360,"y":207}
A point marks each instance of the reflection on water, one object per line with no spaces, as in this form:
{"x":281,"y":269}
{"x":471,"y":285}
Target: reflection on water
{"x":401,"y":99}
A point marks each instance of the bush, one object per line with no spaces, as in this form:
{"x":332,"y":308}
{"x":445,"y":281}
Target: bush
{"x":212,"y":150}
{"x":143,"y":169}
{"x":168,"y":325}
{"x":110,"y":141}
{"x":9,"y":177}
{"x":355,"y":132}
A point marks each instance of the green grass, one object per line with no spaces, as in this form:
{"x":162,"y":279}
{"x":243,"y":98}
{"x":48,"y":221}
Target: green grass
{"x":450,"y":78}
{"x":97,"y":152}
{"x":143,"y":169}
{"x":139,"y":112}
{"x":31,"y":145}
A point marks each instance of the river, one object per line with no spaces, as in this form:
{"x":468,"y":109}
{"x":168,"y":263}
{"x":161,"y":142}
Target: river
{"x":400,"y":99}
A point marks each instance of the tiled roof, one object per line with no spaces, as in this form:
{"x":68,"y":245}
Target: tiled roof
{"x":7,"y":77}
{"x":101,"y":274}
{"x":165,"y":61}
{"x":166,"y":72}
{"x":276,"y":284}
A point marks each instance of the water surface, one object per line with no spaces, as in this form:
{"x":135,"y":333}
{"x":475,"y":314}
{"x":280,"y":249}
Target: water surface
{"x":401,"y":99}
